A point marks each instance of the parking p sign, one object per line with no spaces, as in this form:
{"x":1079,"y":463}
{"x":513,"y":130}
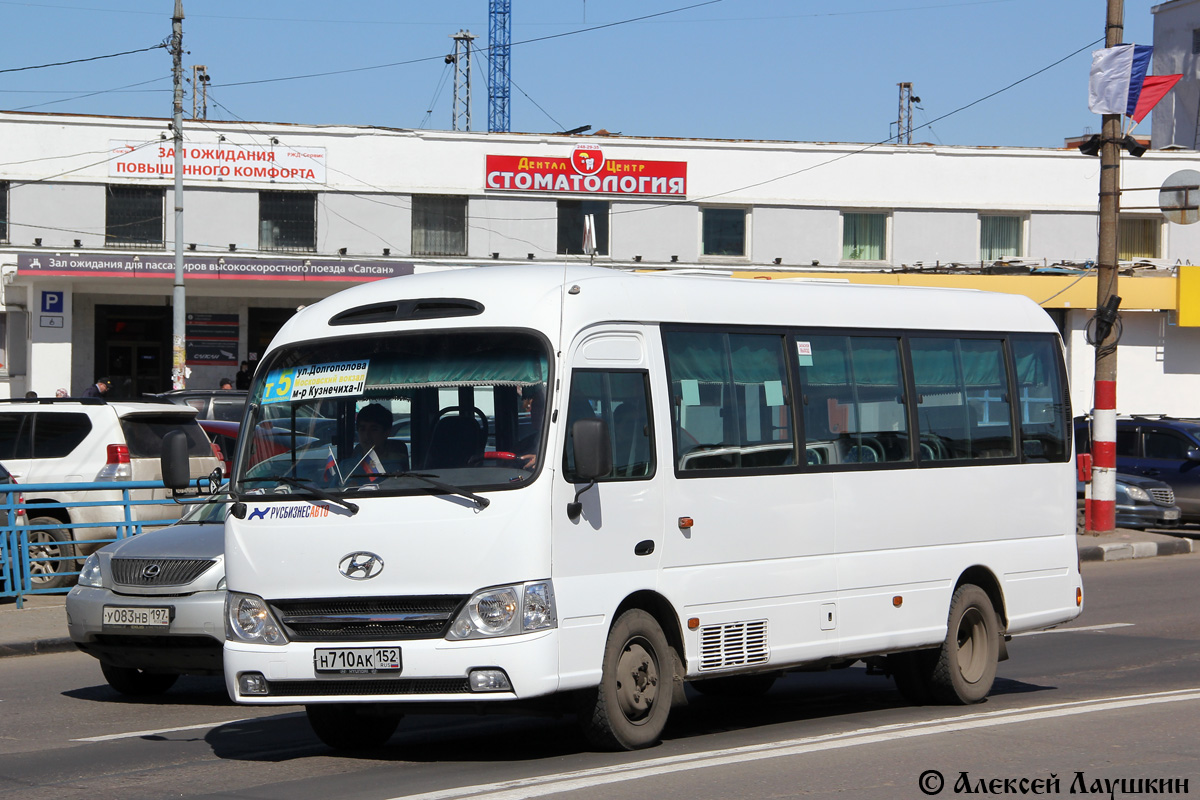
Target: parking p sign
{"x":52,"y":302}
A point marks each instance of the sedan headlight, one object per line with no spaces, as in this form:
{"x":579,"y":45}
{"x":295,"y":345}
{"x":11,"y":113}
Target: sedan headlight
{"x":1137,"y":493}
{"x":249,"y":619}
{"x":90,"y":574}
{"x":506,"y":611}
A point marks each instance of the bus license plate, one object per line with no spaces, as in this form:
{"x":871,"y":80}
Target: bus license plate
{"x":357,"y":660}
{"x":136,"y":617}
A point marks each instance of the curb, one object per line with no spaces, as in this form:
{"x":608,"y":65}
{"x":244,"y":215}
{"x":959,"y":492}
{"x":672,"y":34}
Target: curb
{"x":1125,"y":550}
{"x":37,"y":647}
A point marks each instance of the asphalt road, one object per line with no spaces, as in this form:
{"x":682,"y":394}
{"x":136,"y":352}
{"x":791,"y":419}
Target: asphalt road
{"x":1114,"y":696}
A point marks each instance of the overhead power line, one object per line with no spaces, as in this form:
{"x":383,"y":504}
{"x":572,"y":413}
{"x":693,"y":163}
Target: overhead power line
{"x":158,"y":46}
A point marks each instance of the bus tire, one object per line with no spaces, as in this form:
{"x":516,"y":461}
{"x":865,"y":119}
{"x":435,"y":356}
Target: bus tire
{"x":629,"y":709}
{"x":137,"y":682}
{"x":350,"y":726}
{"x":736,"y":685}
{"x":966,"y":664}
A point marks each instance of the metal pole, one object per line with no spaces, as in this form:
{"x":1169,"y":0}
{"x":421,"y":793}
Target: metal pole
{"x":178,"y":298}
{"x":1104,"y":412}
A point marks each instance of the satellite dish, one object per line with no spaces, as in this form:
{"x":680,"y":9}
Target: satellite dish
{"x":1179,"y":197}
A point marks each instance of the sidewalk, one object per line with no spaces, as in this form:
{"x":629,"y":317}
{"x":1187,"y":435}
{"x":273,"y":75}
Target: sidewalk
{"x":41,"y":626}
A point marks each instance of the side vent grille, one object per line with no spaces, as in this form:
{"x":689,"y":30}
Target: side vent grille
{"x":737,"y":644}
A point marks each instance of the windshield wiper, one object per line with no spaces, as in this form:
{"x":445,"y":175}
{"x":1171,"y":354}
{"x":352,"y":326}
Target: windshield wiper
{"x":315,"y":491}
{"x":480,"y":502}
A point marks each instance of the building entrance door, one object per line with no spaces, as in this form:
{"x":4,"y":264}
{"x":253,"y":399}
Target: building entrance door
{"x":132,"y":349}
{"x":135,"y":368}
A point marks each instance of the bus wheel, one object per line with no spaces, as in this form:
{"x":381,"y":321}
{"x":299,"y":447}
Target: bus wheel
{"x":137,"y":682}
{"x":966,"y":663}
{"x":346,"y":726}
{"x":736,"y":685}
{"x":629,"y":709}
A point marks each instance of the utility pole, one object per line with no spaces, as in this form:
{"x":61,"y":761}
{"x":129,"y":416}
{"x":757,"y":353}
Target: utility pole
{"x":1104,"y":413}
{"x":178,"y":298}
{"x":462,"y":81}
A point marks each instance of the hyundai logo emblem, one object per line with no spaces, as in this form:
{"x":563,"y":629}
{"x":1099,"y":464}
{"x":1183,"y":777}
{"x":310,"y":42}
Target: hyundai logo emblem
{"x":151,"y":571}
{"x":360,"y":566}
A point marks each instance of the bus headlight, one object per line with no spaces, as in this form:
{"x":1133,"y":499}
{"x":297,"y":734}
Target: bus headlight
{"x":248,"y":619}
{"x":506,"y":611}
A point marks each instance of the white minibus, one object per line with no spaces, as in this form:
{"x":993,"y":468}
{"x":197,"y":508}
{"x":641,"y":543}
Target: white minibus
{"x":580,"y":489}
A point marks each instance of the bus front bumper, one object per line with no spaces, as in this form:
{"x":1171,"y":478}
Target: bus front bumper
{"x":431,"y":671}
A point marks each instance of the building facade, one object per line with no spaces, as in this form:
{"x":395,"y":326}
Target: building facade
{"x":278,"y":216}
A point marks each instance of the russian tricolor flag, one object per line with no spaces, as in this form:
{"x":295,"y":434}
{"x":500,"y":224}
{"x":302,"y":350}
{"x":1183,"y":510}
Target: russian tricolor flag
{"x":1119,"y":85}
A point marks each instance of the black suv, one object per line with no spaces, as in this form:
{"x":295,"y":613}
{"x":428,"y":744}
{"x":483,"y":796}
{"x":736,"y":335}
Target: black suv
{"x":1160,"y":447}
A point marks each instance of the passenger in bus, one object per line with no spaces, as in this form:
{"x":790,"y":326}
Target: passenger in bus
{"x":375,"y":454}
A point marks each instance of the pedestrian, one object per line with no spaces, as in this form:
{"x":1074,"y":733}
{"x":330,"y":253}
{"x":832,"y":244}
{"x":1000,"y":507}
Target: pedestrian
{"x":31,"y":395}
{"x":99,"y":388}
{"x":62,"y":393}
{"x":226,"y":383}
{"x":244,"y":375}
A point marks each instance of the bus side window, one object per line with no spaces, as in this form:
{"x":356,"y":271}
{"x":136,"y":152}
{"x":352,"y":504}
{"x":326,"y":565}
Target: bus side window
{"x":622,"y":400}
{"x":855,"y":411}
{"x":730,"y":400}
{"x":1042,"y":408}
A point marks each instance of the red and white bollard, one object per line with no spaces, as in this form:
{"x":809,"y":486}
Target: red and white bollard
{"x":1103,"y":503}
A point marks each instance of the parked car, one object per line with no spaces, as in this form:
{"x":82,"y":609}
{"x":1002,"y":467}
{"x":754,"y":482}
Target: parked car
{"x":220,"y":404}
{"x":85,"y":440}
{"x":1160,"y":447}
{"x":152,"y":607}
{"x":1141,"y":503}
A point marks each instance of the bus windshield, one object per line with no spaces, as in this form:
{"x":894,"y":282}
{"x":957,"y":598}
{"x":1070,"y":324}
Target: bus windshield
{"x":395,"y":414}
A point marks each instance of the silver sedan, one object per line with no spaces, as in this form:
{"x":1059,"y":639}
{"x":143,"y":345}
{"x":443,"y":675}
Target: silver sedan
{"x":152,"y":607}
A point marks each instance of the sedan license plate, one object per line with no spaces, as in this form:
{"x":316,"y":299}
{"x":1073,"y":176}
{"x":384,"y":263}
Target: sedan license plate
{"x":357,"y":660}
{"x":136,"y":617}
{"x":1171,"y":513}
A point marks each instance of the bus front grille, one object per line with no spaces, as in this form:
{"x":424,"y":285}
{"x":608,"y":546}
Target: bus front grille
{"x":368,"y":618}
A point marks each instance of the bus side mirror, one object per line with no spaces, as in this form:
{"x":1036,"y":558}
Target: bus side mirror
{"x":592,"y":453}
{"x":592,"y":449}
{"x":176,"y":473}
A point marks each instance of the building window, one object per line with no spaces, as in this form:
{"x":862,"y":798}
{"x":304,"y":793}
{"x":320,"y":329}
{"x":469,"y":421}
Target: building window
{"x":439,"y":225}
{"x":571,"y":214}
{"x":723,"y":232}
{"x":1195,"y":41}
{"x":1138,"y":238}
{"x":133,"y":216}
{"x":3,"y":211}
{"x":1000,"y":237}
{"x":287,"y":221}
{"x":864,"y":237}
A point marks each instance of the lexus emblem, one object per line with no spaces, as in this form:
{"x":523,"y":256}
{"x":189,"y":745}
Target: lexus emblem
{"x":360,"y":566}
{"x":151,"y":571}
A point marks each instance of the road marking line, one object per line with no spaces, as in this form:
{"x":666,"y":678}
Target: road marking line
{"x":135,"y":734}
{"x":570,"y":781}
{"x":1108,"y":626}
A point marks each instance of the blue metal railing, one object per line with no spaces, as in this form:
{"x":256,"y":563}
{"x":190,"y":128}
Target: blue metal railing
{"x":21,"y":571}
